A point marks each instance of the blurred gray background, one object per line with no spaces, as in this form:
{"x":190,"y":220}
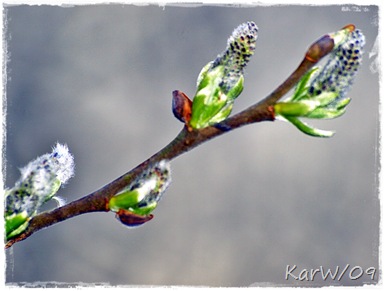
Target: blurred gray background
{"x":241,"y":207}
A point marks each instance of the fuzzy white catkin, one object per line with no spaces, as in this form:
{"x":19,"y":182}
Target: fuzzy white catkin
{"x":241,"y":46}
{"x":340,"y":71}
{"x":153,"y":182}
{"x":39,"y":180}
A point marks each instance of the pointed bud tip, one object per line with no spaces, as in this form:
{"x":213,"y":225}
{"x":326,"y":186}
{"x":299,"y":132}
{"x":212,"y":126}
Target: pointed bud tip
{"x":350,"y":27}
{"x":320,"y":48}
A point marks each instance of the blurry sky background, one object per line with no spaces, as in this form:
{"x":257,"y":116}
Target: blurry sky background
{"x":241,"y":207}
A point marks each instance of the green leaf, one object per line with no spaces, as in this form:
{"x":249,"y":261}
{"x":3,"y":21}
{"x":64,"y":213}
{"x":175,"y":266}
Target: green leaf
{"x":144,"y":210}
{"x":295,"y":108}
{"x":222,"y":114}
{"x":325,"y":113}
{"x":124,"y":200}
{"x":324,"y":98}
{"x":16,"y":224}
{"x":307,"y":129}
{"x":210,"y":101}
{"x":203,"y":112}
{"x":56,"y":184}
{"x":236,"y":90}
{"x":342,"y":103}
{"x":302,"y":85}
{"x":200,"y":84}
{"x":130,"y":200}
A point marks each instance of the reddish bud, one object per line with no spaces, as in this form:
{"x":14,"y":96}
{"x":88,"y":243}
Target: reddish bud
{"x":350,"y":27}
{"x":319,"y":49}
{"x":131,"y":219}
{"x":181,"y":106}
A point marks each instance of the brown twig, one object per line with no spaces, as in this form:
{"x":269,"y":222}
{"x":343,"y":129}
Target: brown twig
{"x":185,"y":141}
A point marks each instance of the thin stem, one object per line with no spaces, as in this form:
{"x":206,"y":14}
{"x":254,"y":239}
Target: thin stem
{"x":185,"y":141}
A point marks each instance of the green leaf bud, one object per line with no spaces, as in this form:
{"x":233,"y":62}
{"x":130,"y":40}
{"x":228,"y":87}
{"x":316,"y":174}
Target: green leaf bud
{"x":321,"y":93}
{"x":39,"y":182}
{"x":141,"y":197}
{"x":220,"y":82}
{"x":16,"y":223}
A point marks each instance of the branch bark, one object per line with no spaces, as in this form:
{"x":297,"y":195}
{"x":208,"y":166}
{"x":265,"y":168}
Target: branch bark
{"x":185,"y":141}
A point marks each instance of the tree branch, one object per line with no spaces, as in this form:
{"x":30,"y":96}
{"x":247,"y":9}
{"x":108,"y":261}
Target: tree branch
{"x":186,"y":140}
